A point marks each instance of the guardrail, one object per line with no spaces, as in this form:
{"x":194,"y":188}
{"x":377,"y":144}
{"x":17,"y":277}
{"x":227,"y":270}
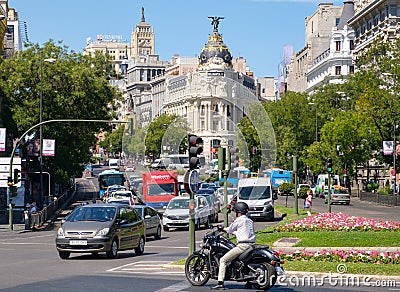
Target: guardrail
{"x":37,"y":219}
{"x":388,"y":200}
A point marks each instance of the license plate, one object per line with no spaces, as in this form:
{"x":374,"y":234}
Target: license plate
{"x":78,"y":242}
{"x":179,"y":221}
{"x":255,"y":215}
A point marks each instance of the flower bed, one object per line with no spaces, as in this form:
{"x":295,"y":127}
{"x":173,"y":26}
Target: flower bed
{"x":355,"y":256}
{"x":338,"y":222}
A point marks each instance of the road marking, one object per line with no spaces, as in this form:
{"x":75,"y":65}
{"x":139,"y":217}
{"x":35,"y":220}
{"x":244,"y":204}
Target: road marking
{"x":146,"y":267}
{"x":175,"y":287}
{"x":166,"y":247}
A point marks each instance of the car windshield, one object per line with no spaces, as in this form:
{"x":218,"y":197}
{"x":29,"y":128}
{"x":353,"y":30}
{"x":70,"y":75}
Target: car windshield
{"x":92,"y":214}
{"x":178,"y":204}
{"x":205,"y":191}
{"x":255,"y":193}
{"x":161,"y":189}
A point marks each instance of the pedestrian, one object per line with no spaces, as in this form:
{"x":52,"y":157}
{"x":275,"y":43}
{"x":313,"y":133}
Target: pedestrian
{"x":243,"y":229}
{"x":308,"y":202}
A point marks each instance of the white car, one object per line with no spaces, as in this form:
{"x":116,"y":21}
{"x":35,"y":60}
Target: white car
{"x":230,"y":194}
{"x":119,"y":195}
{"x":176,"y":215}
{"x":300,"y":186}
{"x":121,"y":200}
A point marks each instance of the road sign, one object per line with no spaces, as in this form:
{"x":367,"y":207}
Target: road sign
{"x":192,"y":181}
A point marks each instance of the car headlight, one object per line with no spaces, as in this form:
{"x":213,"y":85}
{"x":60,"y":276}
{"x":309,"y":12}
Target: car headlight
{"x":60,"y":232}
{"x":103,"y":232}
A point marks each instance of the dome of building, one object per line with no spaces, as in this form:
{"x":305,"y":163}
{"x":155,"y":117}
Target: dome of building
{"x":215,"y":51}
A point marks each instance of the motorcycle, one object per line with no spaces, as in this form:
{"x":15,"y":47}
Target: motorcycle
{"x":258,"y":266}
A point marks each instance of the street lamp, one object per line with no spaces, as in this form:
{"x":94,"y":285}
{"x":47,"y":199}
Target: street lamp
{"x":50,"y":60}
{"x":316,"y":120}
{"x":394,"y":133}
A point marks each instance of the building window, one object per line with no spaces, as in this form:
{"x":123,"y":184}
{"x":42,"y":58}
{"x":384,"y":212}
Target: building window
{"x":338,"y":46}
{"x":141,"y":75}
{"x":215,"y":108}
{"x":228,"y":110}
{"x":202,"y":125}
{"x":369,"y":25}
{"x":202,"y":110}
{"x":215,"y":126}
{"x":337,"y":21}
{"x":351,"y":70}
{"x":351,"y":44}
{"x":338,"y":70}
{"x":382,"y":16}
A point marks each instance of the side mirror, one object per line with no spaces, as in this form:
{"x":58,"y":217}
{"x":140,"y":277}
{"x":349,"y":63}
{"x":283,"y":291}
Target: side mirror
{"x":274,"y":196}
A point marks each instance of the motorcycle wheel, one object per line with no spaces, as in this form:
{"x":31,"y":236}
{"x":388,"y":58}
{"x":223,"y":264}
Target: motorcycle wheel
{"x":196,"y":270}
{"x":269,"y":277}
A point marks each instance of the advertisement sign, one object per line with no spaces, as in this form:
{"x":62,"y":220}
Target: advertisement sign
{"x":48,"y":147}
{"x":387,"y":147}
{"x":2,"y":139}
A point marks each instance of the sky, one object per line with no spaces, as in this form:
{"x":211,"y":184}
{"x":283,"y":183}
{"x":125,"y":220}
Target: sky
{"x":256,"y":30}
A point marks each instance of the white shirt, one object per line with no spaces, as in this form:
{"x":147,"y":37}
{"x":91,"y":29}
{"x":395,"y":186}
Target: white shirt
{"x":243,"y":229}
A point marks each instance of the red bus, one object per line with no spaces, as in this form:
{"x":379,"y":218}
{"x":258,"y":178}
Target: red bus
{"x":159,"y":187}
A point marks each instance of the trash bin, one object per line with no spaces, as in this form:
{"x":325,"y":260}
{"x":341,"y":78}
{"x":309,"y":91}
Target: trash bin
{"x":27,"y":221}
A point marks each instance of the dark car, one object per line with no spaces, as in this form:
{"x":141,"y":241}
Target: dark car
{"x":212,"y":201}
{"x":152,"y":220}
{"x":95,"y":228}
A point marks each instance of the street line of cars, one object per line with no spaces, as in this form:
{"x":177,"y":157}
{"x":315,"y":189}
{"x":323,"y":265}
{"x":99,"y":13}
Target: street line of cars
{"x":116,"y":225}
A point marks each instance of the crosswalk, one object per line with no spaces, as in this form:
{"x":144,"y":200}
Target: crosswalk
{"x":147,"y":267}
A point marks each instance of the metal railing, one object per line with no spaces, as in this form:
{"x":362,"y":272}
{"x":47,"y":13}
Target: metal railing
{"x":37,"y":219}
{"x":388,"y":200}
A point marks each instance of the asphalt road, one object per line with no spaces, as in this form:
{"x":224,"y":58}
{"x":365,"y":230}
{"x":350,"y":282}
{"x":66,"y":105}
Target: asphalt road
{"x":30,"y":262}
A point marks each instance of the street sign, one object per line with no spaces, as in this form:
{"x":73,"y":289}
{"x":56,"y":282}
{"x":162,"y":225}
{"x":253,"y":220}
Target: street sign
{"x":192,"y":181}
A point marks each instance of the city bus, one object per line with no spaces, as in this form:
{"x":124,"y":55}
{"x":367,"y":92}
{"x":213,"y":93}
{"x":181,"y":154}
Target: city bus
{"x":235,"y":175}
{"x":108,"y":178}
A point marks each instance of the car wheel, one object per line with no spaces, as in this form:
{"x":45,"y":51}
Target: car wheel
{"x":113,"y":252}
{"x":64,"y":254}
{"x":158,"y":233}
{"x":139,"y":250}
{"x":166,"y":228}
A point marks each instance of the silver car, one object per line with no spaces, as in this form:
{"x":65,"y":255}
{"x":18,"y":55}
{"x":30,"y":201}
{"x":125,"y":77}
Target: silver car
{"x":98,"y":228}
{"x":152,"y":220}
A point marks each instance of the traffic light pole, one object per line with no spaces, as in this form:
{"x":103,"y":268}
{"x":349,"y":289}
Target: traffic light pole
{"x":10,"y":209}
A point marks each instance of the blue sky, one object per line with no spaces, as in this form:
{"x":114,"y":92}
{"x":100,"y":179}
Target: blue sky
{"x":256,"y":30}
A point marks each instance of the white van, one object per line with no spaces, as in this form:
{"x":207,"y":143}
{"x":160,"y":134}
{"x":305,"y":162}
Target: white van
{"x":321,"y":187}
{"x":114,"y":164}
{"x":257,"y":194}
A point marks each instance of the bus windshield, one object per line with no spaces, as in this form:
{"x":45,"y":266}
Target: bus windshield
{"x":109,"y":179}
{"x":160,"y":189}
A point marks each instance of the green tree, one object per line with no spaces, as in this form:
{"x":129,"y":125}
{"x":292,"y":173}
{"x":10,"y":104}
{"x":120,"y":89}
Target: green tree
{"x":74,"y":87}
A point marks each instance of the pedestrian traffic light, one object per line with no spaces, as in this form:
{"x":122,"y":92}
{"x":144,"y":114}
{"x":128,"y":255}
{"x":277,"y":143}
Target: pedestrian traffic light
{"x":195,"y":148}
{"x":329,"y":164}
{"x":254,"y":149}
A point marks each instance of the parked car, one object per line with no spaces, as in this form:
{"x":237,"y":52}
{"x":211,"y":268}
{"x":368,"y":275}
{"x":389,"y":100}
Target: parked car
{"x":152,"y":220}
{"x":339,"y":195}
{"x":300,"y":186}
{"x":176,"y":215}
{"x":95,"y":228}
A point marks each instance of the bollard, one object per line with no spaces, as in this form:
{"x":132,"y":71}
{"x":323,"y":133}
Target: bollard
{"x":26,"y":219}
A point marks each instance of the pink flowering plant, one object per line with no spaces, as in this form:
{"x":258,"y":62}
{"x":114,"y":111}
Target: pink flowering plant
{"x":338,"y":222}
{"x":349,"y":256}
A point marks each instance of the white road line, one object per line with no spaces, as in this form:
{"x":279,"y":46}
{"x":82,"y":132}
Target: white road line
{"x":119,"y":267}
{"x":166,"y":247}
{"x":175,"y":287}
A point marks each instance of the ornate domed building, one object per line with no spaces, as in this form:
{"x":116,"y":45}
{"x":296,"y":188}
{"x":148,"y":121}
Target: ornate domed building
{"x":214,"y":98}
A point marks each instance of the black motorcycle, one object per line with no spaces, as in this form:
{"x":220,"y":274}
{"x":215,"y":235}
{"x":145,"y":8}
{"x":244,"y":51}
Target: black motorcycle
{"x":258,"y":266}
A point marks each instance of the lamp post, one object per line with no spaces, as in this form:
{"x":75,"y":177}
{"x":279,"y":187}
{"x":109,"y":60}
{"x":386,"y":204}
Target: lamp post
{"x":394,"y":132}
{"x":50,"y":60}
{"x":316,"y":120}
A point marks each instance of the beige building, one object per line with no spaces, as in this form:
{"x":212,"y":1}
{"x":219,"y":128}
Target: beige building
{"x":142,"y":39}
{"x":318,"y":37}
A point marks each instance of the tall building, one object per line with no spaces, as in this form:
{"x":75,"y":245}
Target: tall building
{"x":212,"y":99}
{"x":142,"y":39}
{"x":3,"y":22}
{"x":337,"y":61}
{"x":13,"y":37}
{"x":317,"y":40}
{"x":373,"y":19}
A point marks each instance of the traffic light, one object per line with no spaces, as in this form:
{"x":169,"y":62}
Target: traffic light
{"x":221,"y":158}
{"x":234,"y":157}
{"x":329,"y":164}
{"x":254,"y":150}
{"x":10,"y":181}
{"x":16,"y":175}
{"x":195,"y":148}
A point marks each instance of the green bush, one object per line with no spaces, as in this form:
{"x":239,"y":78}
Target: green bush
{"x":302,"y":193}
{"x":286,"y":188}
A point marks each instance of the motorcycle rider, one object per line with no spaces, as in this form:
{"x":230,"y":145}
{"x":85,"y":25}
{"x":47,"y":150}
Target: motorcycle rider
{"x":243,"y":228}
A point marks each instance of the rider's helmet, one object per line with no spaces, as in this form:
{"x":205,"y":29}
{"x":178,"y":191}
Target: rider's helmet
{"x":241,"y":207}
